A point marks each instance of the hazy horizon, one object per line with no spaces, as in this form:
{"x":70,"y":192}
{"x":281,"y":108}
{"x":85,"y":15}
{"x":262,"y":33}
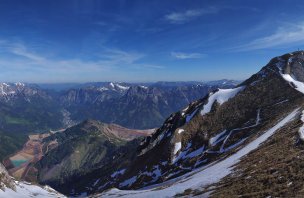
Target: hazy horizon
{"x":130,"y":82}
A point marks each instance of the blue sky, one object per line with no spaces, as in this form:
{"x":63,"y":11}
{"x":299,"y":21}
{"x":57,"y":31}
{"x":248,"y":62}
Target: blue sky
{"x":138,"y":40}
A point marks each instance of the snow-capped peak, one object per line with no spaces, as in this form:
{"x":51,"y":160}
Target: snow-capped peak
{"x":112,"y":85}
{"x":122,"y":87}
{"x":19,"y":84}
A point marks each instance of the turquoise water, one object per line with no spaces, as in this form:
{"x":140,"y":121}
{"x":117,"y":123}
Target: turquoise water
{"x":17,"y":163}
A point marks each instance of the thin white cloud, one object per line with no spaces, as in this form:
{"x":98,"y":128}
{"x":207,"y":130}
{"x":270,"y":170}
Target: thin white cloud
{"x":21,"y":50}
{"x":284,"y":36}
{"x":44,"y":67}
{"x":182,"y":55}
{"x":183,"y":17}
{"x":120,"y":56}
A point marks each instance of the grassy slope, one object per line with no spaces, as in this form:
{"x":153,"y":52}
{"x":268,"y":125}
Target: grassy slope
{"x":10,"y":144}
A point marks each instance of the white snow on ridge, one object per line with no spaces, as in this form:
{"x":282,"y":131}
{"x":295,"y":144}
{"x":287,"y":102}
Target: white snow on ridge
{"x":128,"y":182}
{"x":221,"y":96}
{"x":204,"y":176}
{"x":180,"y":131}
{"x":122,"y":87}
{"x":20,"y":84}
{"x":214,"y":140}
{"x":120,"y":172}
{"x":144,"y":87}
{"x":177,"y":147}
{"x":195,"y":153}
{"x":25,"y":190}
{"x":301,"y":130}
{"x":102,"y":89}
{"x":299,"y":85}
{"x":189,"y":117}
{"x":112,"y":85}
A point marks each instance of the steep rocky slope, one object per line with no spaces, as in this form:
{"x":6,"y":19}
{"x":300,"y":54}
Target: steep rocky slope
{"x":197,"y":146}
{"x":10,"y":188}
{"x":5,"y":179}
{"x":82,"y":149}
{"x":24,"y":109}
{"x":132,"y":105}
{"x":245,"y":141}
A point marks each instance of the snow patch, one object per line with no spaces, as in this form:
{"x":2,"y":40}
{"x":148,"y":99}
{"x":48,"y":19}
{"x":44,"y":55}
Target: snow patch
{"x":120,"y":172}
{"x":195,"y":153}
{"x":144,"y":87}
{"x":301,"y":130}
{"x":214,"y":140}
{"x":299,"y":85}
{"x":189,"y":117}
{"x":122,"y":87}
{"x":112,"y":85}
{"x":180,"y":131}
{"x":221,"y":96}
{"x":102,"y":89}
{"x":177,"y":147}
{"x":128,"y":182}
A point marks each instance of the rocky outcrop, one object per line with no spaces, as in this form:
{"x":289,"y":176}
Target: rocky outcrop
{"x":216,"y":126}
{"x":5,"y":180}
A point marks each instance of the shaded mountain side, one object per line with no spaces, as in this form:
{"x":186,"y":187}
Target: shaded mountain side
{"x":24,"y":109}
{"x":22,"y":117}
{"x":11,"y":143}
{"x":82,"y":149}
{"x":127,"y":105}
{"x":27,"y":109}
{"x":214,"y":127}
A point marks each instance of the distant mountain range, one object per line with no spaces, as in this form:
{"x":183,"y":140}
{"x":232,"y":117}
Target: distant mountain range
{"x":242,"y":141}
{"x":250,"y":127}
{"x":31,"y":108}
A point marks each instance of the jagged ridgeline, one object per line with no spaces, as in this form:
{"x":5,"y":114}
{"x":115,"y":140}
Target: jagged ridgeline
{"x":246,"y":140}
{"x":196,"y":148}
{"x":134,"y":105}
{"x":27,"y":108}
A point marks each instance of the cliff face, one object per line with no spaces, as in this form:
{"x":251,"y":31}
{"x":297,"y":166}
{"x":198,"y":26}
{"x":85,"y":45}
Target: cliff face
{"x":5,"y":180}
{"x":193,"y":147}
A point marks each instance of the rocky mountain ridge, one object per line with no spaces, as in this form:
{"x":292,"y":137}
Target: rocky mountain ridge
{"x":58,"y":158}
{"x":251,"y":133}
{"x":26,"y":108}
{"x":213,"y":129}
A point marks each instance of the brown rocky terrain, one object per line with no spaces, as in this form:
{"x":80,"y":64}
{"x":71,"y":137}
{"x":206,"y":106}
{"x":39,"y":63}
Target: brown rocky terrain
{"x":198,"y":137}
{"x":22,"y":164}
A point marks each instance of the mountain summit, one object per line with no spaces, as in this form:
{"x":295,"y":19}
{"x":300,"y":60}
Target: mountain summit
{"x":242,"y":141}
{"x":197,"y":146}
